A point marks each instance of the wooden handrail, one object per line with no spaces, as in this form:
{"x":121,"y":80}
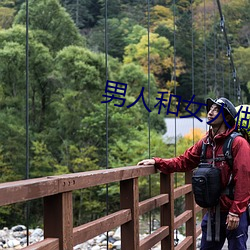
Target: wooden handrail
{"x":24,"y":190}
{"x":90,"y":230}
{"x":51,"y":244}
{"x":58,"y":208}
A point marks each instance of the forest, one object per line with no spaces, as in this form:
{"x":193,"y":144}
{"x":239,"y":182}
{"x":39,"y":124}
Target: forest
{"x":54,"y":71}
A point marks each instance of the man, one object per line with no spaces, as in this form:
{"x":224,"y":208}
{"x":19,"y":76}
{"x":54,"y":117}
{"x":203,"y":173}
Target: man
{"x":233,"y":212}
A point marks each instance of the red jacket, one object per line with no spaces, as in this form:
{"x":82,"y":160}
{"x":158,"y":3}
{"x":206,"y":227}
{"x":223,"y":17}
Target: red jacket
{"x":241,"y":167}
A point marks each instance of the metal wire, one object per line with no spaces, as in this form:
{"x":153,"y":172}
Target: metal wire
{"x":27,"y":207}
{"x":175,"y":90}
{"x":149,"y":124}
{"x":205,"y":51}
{"x":215,"y":53}
{"x":107,"y":124}
{"x":174,"y":74}
{"x":192,"y":19}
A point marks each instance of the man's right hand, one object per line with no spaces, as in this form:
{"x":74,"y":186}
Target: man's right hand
{"x":146,"y":162}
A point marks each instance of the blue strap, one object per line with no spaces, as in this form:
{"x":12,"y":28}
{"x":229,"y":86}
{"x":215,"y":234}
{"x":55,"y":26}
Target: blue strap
{"x":209,"y":226}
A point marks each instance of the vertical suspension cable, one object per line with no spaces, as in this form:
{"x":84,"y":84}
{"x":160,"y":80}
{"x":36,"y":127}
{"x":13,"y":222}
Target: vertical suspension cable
{"x":174,"y":73}
{"x":27,"y":207}
{"x":205,"y":51}
{"x":106,"y":76}
{"x":215,"y":52}
{"x":221,"y":47}
{"x":222,"y":69}
{"x":174,"y":79}
{"x":223,"y":80}
{"x":27,"y":89}
{"x":77,"y":13}
{"x":192,"y":28}
{"x":149,"y":124}
{"x":175,"y":92}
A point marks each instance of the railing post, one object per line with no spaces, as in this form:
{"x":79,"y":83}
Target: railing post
{"x":58,"y":219}
{"x":167,"y":210}
{"x":190,"y":205}
{"x":129,"y":198}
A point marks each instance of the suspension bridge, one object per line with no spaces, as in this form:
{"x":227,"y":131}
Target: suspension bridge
{"x":56,"y":192}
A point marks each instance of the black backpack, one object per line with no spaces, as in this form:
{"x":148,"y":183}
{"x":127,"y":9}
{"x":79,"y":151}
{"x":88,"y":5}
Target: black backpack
{"x":206,"y":179}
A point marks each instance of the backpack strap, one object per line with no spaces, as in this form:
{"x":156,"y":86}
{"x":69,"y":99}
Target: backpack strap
{"x":203,"y":152}
{"x":227,"y":148}
{"x":227,"y":151}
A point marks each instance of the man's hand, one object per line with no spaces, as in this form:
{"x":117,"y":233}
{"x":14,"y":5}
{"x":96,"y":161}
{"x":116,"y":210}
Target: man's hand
{"x":146,"y":162}
{"x":232,"y":221}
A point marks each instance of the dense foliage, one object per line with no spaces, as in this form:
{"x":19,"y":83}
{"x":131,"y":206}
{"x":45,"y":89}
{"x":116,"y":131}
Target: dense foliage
{"x":74,"y":47}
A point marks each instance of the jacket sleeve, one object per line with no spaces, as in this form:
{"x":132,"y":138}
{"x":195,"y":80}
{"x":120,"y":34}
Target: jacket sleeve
{"x":241,"y":175}
{"x":185,"y":162}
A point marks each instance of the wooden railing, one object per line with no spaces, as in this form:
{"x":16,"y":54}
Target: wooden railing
{"x":59,"y":232}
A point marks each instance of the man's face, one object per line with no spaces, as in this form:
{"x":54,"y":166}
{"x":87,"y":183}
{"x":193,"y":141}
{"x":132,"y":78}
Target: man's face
{"x":212,"y":113}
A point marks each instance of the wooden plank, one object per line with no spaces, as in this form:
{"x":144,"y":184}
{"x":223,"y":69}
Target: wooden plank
{"x":129,"y":196}
{"x":185,"y":244}
{"x":90,"y":230}
{"x":154,"y":238}
{"x":167,"y":210}
{"x":182,"y":218}
{"x":46,"y":244}
{"x":98,"y":177}
{"x":152,"y":203}
{"x":24,"y":190}
{"x":178,"y":192}
{"x":190,"y":205}
{"x":58,"y":219}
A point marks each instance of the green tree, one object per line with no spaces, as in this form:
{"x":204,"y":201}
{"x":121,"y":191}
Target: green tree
{"x":128,"y":152}
{"x":161,"y":16}
{"x":237,"y":20}
{"x":6,"y":17}
{"x":12,"y":108}
{"x":84,"y":13}
{"x":117,"y":32}
{"x":13,"y":148}
{"x":13,"y":60}
{"x":136,"y":34}
{"x":136,"y":78}
{"x":42,"y":163}
{"x":78,"y":75}
{"x":161,"y":58}
{"x":241,"y":56}
{"x":53,"y":25}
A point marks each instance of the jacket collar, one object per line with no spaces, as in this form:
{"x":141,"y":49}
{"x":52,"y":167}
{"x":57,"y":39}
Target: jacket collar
{"x":220,"y":136}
